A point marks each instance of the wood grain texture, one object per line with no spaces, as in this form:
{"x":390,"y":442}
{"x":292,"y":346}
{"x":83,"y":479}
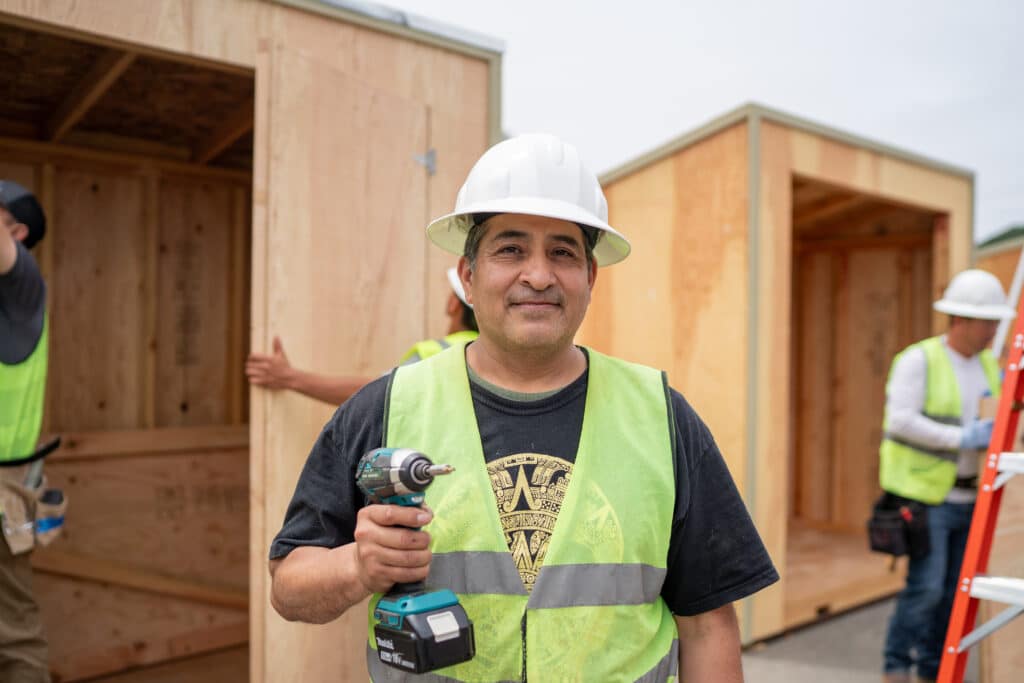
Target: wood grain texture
{"x":126,"y":628}
{"x":99,"y":313}
{"x":193,"y":295}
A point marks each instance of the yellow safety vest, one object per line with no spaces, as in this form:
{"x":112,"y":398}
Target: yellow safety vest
{"x":431,"y":347}
{"x":918,"y":472}
{"x":595,"y":612}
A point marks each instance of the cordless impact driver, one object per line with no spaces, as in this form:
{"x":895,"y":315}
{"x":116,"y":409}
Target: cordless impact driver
{"x":418,"y":629}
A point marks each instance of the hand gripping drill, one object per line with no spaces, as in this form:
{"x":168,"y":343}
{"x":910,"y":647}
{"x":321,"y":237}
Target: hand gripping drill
{"x":417,"y":628}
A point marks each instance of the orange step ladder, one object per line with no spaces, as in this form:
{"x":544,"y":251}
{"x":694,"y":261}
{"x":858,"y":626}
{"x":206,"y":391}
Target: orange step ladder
{"x":1001,"y":464}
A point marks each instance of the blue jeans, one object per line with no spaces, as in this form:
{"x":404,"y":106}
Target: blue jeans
{"x":918,"y":625}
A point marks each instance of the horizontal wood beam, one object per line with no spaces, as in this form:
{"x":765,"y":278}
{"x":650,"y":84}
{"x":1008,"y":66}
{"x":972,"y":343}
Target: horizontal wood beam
{"x":149,"y":652}
{"x":141,"y":442}
{"x":828,"y":209}
{"x":229,"y":132}
{"x":111,"y":142}
{"x":61,"y":563}
{"x":908,"y":240}
{"x":103,"y":74}
{"x":32,"y":150}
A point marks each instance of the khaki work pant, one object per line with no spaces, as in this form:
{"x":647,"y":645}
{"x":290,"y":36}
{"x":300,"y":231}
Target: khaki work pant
{"x":23,"y":651}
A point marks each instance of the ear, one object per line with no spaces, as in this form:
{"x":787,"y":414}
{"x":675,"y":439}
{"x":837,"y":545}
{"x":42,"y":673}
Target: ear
{"x":19,"y":231}
{"x":592,"y":276}
{"x":466,"y":276}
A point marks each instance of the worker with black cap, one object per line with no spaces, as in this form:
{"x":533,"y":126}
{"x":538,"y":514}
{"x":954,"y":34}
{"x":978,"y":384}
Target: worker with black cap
{"x":23,"y":364}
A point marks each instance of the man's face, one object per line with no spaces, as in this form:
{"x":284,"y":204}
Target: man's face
{"x":531,"y":284}
{"x":979,"y":333}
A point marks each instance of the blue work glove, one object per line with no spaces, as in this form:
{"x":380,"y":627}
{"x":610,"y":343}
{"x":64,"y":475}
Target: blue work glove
{"x":977,"y":434}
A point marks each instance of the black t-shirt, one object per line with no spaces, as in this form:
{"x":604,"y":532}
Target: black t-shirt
{"x":715,"y":554}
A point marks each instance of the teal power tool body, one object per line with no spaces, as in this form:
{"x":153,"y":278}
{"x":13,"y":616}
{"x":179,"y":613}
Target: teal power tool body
{"x":418,"y":628}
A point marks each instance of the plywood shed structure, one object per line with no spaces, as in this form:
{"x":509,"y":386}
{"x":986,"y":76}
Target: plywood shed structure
{"x":777,"y":267}
{"x":217,"y":172}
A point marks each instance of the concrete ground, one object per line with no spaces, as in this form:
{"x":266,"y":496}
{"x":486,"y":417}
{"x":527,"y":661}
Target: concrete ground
{"x":844,"y":649}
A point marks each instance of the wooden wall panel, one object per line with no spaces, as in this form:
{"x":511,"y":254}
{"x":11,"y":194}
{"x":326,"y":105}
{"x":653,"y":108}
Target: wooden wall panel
{"x":97,"y":316}
{"x":96,"y":629}
{"x":815,"y":368}
{"x":457,"y":140}
{"x":225,"y":666}
{"x":679,"y":302}
{"x":353,"y":254}
{"x":195,"y":276}
{"x":872,"y":322}
{"x":181,"y":514}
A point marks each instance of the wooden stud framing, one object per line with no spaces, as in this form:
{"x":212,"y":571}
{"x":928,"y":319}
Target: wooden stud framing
{"x":229,"y":132}
{"x":104,"y":73}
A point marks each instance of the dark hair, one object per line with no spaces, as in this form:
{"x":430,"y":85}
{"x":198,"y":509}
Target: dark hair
{"x":476,"y":234}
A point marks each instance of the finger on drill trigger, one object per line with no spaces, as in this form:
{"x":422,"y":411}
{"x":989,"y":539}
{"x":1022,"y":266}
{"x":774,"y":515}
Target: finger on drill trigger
{"x":394,"y":515}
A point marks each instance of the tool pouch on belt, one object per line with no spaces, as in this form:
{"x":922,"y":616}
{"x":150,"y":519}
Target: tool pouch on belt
{"x":30,"y":516}
{"x":899,"y":526}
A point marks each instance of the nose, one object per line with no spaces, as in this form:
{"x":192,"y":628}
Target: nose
{"x":537,"y":272}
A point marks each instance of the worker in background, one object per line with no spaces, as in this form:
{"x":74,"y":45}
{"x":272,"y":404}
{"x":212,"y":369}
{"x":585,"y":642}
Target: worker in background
{"x":591,"y":522}
{"x":23,"y":363}
{"x":929,"y":454}
{"x":275,"y":372}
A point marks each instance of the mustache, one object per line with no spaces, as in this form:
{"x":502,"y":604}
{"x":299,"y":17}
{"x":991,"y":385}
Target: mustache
{"x":546,"y":297}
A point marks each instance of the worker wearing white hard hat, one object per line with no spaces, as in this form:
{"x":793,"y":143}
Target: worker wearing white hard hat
{"x":274,"y":371}
{"x":585,"y":489}
{"x":929,"y":461}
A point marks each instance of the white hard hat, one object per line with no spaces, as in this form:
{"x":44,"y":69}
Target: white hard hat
{"x":537,"y":175}
{"x":456,"y":283}
{"x":975,"y":294}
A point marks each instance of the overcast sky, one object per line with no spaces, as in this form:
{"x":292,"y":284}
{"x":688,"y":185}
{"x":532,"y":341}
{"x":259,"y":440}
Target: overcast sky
{"x":942,"y":78}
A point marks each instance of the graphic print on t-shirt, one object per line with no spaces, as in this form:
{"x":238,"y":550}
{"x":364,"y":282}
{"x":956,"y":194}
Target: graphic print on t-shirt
{"x":529,"y":488}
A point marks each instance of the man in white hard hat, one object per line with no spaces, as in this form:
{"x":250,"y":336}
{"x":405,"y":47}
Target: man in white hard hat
{"x":274,"y":371}
{"x":591,"y":529}
{"x":929,"y":456}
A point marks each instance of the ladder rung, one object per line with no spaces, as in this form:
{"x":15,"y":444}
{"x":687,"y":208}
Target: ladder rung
{"x":999,"y":588}
{"x":1011,"y":462}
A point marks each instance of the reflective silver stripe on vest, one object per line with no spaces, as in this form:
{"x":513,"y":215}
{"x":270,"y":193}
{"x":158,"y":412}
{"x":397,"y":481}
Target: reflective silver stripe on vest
{"x":667,"y":666}
{"x":664,"y":669}
{"x":476,"y":572}
{"x":444,"y":343}
{"x":379,"y":671}
{"x":952,"y":456}
{"x":579,"y":585}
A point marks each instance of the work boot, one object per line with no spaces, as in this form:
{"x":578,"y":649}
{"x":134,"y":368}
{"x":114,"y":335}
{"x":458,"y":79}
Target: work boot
{"x":896,"y":677}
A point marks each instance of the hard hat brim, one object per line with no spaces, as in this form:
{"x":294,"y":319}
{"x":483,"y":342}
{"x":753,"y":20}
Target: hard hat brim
{"x":978,"y":312}
{"x":449,"y":232}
